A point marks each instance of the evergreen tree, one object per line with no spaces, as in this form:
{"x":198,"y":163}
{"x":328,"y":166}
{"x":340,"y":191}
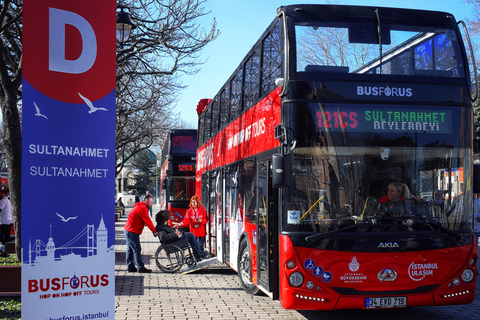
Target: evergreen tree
{"x":476,"y":119}
{"x":144,"y":178}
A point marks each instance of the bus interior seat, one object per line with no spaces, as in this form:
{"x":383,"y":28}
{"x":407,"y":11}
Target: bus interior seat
{"x":317,"y":68}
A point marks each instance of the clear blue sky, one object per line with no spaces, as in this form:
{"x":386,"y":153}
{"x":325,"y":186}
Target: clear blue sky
{"x":241,"y":23}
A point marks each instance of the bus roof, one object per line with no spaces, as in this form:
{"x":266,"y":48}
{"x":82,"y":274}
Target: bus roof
{"x":333,"y":12}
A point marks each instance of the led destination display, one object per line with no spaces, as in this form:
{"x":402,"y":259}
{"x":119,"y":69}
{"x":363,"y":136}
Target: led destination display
{"x":385,"y":119}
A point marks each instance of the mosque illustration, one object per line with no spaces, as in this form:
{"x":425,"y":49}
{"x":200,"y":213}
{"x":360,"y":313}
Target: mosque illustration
{"x":87,"y":244}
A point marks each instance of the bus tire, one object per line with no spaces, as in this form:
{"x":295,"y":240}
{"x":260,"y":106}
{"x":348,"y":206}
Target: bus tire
{"x":245,"y":269}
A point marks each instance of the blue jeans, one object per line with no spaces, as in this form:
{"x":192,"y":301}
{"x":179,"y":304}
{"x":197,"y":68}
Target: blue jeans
{"x":134,"y":250}
{"x":192,"y":240}
{"x":201,"y":242}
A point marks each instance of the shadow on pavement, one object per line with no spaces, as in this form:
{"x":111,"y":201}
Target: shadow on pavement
{"x":411,"y":313}
{"x":215,"y":270}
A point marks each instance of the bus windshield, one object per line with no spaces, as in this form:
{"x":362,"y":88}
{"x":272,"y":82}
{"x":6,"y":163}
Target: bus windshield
{"x":348,"y":157}
{"x":182,"y":188}
{"x":363,"y":48}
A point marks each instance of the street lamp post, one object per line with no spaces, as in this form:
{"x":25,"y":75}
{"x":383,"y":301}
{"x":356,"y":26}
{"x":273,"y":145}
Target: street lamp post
{"x":122,"y":119}
{"x":156,"y":182}
{"x":124,"y":26}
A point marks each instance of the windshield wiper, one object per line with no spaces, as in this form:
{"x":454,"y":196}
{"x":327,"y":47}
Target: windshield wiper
{"x":315,"y":237}
{"x":441,"y":228}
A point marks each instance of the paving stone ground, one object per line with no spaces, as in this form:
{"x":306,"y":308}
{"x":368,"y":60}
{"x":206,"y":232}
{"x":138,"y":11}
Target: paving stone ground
{"x":215,"y":293}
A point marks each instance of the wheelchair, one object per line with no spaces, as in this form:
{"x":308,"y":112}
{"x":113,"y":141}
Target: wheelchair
{"x":172,"y":256}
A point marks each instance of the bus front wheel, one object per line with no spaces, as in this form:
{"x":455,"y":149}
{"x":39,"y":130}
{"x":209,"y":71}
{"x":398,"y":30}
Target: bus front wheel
{"x":245,"y":269}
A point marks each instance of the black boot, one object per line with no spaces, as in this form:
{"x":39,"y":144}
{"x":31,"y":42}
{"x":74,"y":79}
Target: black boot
{"x":197,"y":255}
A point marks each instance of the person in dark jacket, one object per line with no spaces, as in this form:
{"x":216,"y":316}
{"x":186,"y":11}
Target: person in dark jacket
{"x":138,"y":218}
{"x":167,"y":234}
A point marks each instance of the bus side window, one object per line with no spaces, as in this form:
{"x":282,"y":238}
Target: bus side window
{"x":272,"y":61}
{"x":252,"y":79}
{"x":215,"y":115}
{"x":208,"y":122}
{"x":200,"y":130}
{"x":224,"y":99}
{"x":236,"y":96}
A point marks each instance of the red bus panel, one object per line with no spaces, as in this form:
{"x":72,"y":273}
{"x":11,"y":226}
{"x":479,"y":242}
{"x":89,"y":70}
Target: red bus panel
{"x":345,"y":280}
{"x":250,"y":134}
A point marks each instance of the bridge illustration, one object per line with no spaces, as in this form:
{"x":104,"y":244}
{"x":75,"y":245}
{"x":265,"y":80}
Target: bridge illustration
{"x":87,"y":243}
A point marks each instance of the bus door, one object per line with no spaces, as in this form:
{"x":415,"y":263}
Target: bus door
{"x":216,"y":212}
{"x":266,"y":229}
{"x":211,"y":230}
{"x":226,"y":208}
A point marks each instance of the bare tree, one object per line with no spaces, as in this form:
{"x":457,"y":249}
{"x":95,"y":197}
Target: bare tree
{"x":474,"y":30}
{"x":10,"y":84}
{"x":330,"y":47}
{"x":474,"y":24}
{"x":166,"y":44}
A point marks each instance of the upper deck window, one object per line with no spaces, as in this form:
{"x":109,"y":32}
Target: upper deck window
{"x":354,"y":47}
{"x":184,"y":144}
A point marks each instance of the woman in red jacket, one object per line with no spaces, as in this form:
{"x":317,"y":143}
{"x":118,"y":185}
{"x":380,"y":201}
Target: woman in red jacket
{"x":196,"y":218}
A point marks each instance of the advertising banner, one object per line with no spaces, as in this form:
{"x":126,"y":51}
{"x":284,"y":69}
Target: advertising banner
{"x":68,"y":166}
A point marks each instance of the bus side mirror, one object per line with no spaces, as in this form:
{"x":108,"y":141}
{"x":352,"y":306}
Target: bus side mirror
{"x":476,"y":178}
{"x":164,"y":184}
{"x":281,"y":168}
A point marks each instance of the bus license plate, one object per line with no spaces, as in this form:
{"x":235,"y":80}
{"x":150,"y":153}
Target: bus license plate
{"x":387,"y":302}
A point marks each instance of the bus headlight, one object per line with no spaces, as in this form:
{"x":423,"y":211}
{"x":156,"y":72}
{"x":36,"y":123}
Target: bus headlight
{"x":296,"y":279}
{"x":456,"y":281}
{"x":467,"y":275}
{"x":310,"y":285}
{"x":290,"y":264}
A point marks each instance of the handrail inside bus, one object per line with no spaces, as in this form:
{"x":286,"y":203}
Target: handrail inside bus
{"x":265,"y":208}
{"x":178,"y":195}
{"x":312,"y":207}
{"x":399,"y":49}
{"x":365,"y":207}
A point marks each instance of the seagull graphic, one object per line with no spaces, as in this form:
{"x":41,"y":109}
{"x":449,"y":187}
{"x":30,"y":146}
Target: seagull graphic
{"x":63,"y":218}
{"x":90,"y":105}
{"x":38,"y":114}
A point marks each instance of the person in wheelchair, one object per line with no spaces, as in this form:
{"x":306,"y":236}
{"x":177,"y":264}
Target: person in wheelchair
{"x":167,"y":234}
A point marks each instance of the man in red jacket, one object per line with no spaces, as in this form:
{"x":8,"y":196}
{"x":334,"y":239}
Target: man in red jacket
{"x":137,"y":219}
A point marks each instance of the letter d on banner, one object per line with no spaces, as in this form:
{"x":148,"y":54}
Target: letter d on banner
{"x":68,"y":151}
{"x":58,"y":20}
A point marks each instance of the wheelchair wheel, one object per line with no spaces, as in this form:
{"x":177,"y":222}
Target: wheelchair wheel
{"x":169,"y":258}
{"x":191,"y":262}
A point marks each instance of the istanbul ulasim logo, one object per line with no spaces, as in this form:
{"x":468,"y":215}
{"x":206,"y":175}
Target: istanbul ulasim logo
{"x":418,"y":271}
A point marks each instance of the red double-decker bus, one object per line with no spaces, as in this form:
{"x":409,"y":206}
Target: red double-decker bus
{"x":330,"y":161}
{"x":177,"y":172}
